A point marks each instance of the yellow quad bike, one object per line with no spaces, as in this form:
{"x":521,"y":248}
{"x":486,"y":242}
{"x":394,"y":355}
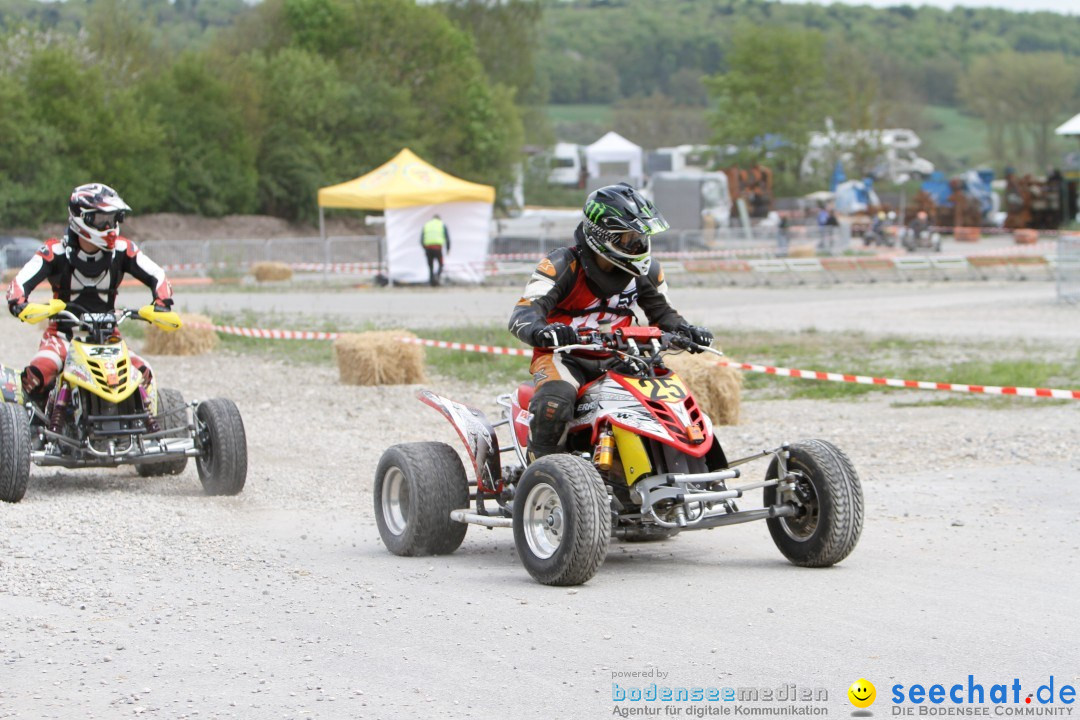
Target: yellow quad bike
{"x":101,"y":413}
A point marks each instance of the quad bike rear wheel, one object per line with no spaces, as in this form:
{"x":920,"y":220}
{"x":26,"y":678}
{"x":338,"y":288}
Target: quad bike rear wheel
{"x":416,"y":487}
{"x":169,"y":404}
{"x":222,"y":464}
{"x":14,"y":452}
{"x":562,"y":520}
{"x":831,"y":497}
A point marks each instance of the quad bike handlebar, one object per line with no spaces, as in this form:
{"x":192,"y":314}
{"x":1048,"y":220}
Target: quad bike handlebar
{"x":639,"y":347}
{"x":98,"y":322}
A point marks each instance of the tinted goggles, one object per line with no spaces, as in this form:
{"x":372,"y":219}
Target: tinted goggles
{"x":103,"y":220}
{"x":631,"y":243}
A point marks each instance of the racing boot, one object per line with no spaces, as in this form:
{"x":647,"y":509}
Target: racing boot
{"x":34,"y":388}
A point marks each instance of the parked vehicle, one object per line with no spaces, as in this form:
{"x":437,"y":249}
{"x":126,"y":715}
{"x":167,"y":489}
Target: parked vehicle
{"x":566,"y":165}
{"x":16,"y":251}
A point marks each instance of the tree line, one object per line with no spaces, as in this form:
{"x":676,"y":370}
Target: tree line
{"x":282,"y":98}
{"x":218,"y":107}
{"x":762,"y":75}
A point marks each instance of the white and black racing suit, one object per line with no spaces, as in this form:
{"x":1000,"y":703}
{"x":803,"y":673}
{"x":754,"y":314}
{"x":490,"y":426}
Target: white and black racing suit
{"x":89,"y":283}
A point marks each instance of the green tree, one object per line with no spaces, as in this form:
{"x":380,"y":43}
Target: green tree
{"x":774,"y":86}
{"x":1021,"y":97}
{"x":75,"y":124}
{"x":211,"y":154}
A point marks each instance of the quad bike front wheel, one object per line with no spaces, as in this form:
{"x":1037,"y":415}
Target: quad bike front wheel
{"x":170,"y":403}
{"x":828,"y":491}
{"x":562,"y":520}
{"x":14,"y":452}
{"x":222,"y":462}
{"x":416,"y":487}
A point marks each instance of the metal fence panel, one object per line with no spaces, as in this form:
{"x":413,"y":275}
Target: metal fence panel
{"x":1068,"y":269}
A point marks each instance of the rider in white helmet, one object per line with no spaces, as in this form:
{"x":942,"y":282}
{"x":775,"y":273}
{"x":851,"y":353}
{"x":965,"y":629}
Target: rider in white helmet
{"x":84,"y":269}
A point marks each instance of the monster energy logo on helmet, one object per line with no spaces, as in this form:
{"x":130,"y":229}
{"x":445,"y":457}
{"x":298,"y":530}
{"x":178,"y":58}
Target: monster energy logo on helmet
{"x":619,"y":223}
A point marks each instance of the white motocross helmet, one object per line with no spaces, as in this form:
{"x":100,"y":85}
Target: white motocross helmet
{"x":95,"y":212}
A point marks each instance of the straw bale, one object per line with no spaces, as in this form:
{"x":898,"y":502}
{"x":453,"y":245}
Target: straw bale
{"x":379,"y":358}
{"x":967,"y":234}
{"x":190,"y":339}
{"x":805,"y":250}
{"x":717,"y":389}
{"x":271,"y":271}
{"x":1025,"y":236}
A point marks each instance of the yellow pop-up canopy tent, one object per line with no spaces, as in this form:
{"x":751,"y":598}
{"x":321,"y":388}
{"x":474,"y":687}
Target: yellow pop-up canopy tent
{"x":411,"y":192}
{"x":405,"y":181}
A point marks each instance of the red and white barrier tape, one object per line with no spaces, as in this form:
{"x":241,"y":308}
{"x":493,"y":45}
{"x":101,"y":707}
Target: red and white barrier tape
{"x":468,"y":347}
{"x":893,"y":382}
{"x":263,"y":334}
{"x":769,"y":370}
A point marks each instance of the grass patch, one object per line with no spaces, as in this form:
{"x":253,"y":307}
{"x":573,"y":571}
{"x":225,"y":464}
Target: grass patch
{"x":895,"y":358}
{"x":853,"y":353}
{"x":957,"y":139}
{"x":456,"y":364}
{"x":599,"y":114}
{"x":477,"y":367}
{"x":304,"y":352}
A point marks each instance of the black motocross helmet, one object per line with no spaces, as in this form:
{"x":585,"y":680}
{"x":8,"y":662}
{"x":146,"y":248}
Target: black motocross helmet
{"x":619,"y":224}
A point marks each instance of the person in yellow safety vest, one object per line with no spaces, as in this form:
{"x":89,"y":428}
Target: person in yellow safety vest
{"x":434,"y":237}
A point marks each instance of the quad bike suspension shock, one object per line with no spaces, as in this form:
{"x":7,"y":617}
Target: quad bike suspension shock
{"x":152,"y":425}
{"x":59,"y":408}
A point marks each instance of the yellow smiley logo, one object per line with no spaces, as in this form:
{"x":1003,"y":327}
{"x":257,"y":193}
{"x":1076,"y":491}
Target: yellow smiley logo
{"x":862,"y":693}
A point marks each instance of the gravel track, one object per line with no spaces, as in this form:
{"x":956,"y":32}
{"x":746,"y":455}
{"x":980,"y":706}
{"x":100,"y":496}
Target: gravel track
{"x":126,"y":596}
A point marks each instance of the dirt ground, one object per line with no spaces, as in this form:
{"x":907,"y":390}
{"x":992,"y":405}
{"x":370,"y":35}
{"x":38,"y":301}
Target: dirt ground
{"x":129,"y":597}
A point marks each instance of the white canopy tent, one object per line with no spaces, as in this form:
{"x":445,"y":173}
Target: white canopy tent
{"x":1070,"y":127}
{"x":613,"y":156}
{"x":411,"y":192}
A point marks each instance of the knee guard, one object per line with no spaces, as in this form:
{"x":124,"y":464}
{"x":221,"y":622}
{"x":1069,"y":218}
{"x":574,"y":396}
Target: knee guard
{"x":552,"y":407}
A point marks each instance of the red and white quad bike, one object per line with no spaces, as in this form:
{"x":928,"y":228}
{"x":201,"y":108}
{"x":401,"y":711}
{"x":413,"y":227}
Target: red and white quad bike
{"x":642,"y":463}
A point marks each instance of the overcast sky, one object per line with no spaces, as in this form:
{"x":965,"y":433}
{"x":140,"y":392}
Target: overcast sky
{"x":1068,"y":7}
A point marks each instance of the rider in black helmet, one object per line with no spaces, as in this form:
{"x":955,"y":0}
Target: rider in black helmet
{"x":598,"y":283}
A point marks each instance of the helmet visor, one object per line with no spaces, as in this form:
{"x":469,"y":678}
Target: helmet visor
{"x":631,"y":242}
{"x":102,"y":220}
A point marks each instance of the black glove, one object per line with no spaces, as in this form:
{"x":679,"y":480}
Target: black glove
{"x":163,"y":305}
{"x":555,"y":335}
{"x":16,"y":307}
{"x":699,"y":335}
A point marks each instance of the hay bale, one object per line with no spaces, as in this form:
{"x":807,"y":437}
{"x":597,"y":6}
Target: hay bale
{"x":378,"y":358}
{"x":717,"y":389}
{"x":1025,"y":236}
{"x":967,"y":234}
{"x":807,"y":250}
{"x":271,"y":271}
{"x":190,"y":339}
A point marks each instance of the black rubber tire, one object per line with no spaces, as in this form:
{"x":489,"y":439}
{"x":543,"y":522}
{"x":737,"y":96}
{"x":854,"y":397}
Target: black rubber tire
{"x":586,"y":520}
{"x":429,"y":481}
{"x":648,"y":533}
{"x":168,"y":400}
{"x":222,"y":465}
{"x":839,"y":500}
{"x":14,"y":452}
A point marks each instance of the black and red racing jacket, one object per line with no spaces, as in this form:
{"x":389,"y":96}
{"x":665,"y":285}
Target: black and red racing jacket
{"x":89,"y":280}
{"x":567,"y":287}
